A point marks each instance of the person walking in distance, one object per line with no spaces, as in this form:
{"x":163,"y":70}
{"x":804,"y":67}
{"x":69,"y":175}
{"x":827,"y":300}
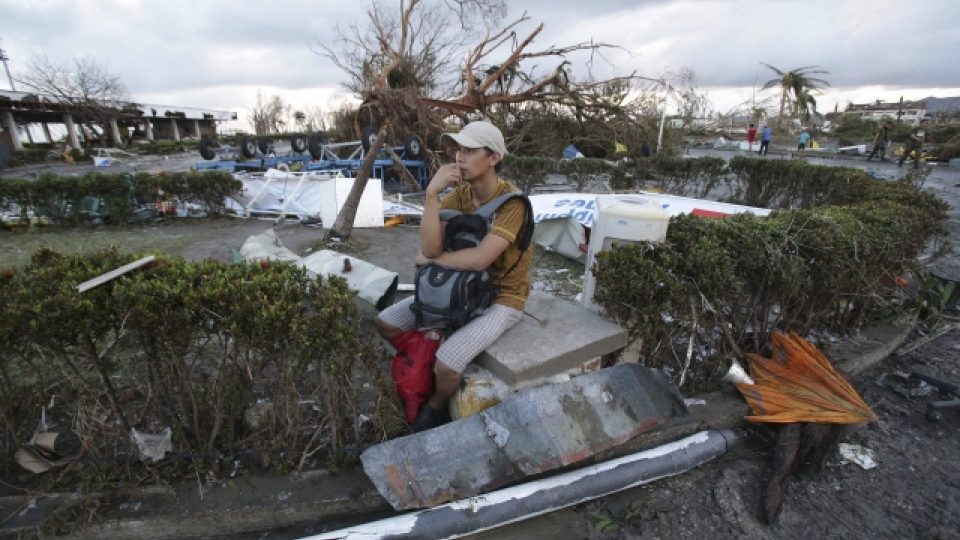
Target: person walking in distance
{"x":751,"y":137}
{"x":765,"y":137}
{"x":804,"y":139}
{"x":880,"y":139}
{"x":474,"y":179}
{"x":915,"y":144}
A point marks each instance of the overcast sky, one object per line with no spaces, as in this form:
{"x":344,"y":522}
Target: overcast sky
{"x":217,"y":53}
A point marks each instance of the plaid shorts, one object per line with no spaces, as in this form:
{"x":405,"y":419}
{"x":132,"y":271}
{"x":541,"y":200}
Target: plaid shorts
{"x":465,"y":344}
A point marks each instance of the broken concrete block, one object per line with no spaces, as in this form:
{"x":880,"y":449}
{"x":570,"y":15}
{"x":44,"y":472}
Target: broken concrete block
{"x":536,"y":430}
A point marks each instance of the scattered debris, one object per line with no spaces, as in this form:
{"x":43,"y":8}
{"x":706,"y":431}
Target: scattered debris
{"x":49,"y":449}
{"x":945,"y":329}
{"x":372,"y":283}
{"x":854,"y":453}
{"x":799,"y":384}
{"x":904,"y":385}
{"x":152,"y":446}
{"x":946,"y":388}
{"x":736,"y":374}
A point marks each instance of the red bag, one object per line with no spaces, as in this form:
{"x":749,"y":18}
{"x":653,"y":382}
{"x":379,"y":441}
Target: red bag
{"x":412,"y":368}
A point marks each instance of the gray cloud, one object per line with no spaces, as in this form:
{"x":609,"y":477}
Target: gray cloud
{"x":176,"y":47}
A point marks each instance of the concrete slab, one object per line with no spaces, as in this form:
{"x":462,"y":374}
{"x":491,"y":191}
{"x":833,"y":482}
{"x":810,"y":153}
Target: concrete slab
{"x":534,"y":431}
{"x":555,"y":336}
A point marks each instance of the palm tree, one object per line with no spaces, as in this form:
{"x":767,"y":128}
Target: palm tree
{"x":797,"y":85}
{"x":804,"y":105}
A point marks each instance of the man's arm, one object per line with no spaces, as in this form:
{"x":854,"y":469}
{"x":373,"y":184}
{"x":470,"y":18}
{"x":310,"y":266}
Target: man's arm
{"x":431,"y":230}
{"x":476,"y":258}
{"x":507,"y":226}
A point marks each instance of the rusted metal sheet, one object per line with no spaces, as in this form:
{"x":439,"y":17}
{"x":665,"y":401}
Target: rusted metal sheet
{"x":533,"y":431}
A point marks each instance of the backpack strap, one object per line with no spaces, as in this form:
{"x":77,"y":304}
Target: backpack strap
{"x":448,"y":214}
{"x":526,"y":234}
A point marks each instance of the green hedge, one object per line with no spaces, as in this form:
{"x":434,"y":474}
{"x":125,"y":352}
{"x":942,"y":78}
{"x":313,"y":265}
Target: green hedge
{"x":70,"y":200}
{"x":247,"y":359}
{"x":528,"y":172}
{"x":828,"y":260}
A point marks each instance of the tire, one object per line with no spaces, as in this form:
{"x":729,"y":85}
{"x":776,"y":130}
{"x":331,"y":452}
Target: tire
{"x":367,"y":137}
{"x":208,"y":148}
{"x":413,"y":147}
{"x":264,"y":144}
{"x":248,"y":147}
{"x":315,"y":145}
{"x":298,"y":143}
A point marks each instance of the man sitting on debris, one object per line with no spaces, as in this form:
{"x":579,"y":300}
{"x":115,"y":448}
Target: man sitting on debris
{"x":880,"y":139}
{"x":480,"y":150}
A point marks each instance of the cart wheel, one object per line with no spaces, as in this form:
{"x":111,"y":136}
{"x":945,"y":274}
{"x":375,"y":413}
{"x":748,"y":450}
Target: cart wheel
{"x":298,"y":143}
{"x":367,"y":137}
{"x":208,"y":148}
{"x":264,"y":144}
{"x":413,"y":147}
{"x":248,"y":147}
{"x":315,"y":145}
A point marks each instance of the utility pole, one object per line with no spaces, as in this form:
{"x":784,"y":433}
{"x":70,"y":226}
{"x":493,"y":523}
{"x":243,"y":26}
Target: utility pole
{"x":3,"y":56}
{"x":663,"y":113}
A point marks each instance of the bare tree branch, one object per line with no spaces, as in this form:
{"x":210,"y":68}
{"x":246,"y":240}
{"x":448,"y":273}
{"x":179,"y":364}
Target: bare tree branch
{"x":83,"y":88}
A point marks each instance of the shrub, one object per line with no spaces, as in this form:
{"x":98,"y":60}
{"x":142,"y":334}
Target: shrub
{"x":716,"y":288}
{"x":72,"y":200}
{"x":238,"y":360}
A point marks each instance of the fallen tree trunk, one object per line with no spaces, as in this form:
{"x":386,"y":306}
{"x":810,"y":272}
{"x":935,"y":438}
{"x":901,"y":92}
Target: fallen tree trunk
{"x":343,"y":226}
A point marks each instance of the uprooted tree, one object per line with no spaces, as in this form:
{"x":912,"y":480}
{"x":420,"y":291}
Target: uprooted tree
{"x":414,"y":67}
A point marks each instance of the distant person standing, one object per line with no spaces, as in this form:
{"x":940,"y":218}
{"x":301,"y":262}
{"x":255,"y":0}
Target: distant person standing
{"x":804,"y":139}
{"x":765,"y":137}
{"x":751,"y":137}
{"x":915,"y":144}
{"x":880,"y":139}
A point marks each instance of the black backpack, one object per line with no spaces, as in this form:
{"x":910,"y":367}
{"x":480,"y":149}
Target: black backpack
{"x":446,"y":299}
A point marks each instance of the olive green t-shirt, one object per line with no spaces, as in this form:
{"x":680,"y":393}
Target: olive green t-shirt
{"x":507,"y":223}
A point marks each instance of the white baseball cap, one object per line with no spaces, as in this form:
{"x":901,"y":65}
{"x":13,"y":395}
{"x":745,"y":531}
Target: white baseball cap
{"x":480,"y":134}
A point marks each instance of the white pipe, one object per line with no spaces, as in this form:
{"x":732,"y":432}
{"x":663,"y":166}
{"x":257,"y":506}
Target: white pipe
{"x":517,"y":503}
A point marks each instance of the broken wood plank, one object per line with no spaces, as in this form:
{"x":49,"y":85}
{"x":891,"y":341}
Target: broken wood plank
{"x":113,"y":274}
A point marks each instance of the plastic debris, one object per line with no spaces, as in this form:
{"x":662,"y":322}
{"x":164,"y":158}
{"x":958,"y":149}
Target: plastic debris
{"x":152,"y":446}
{"x":854,"y":453}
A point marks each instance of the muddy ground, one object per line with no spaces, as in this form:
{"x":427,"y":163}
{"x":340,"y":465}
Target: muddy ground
{"x":914,"y":492}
